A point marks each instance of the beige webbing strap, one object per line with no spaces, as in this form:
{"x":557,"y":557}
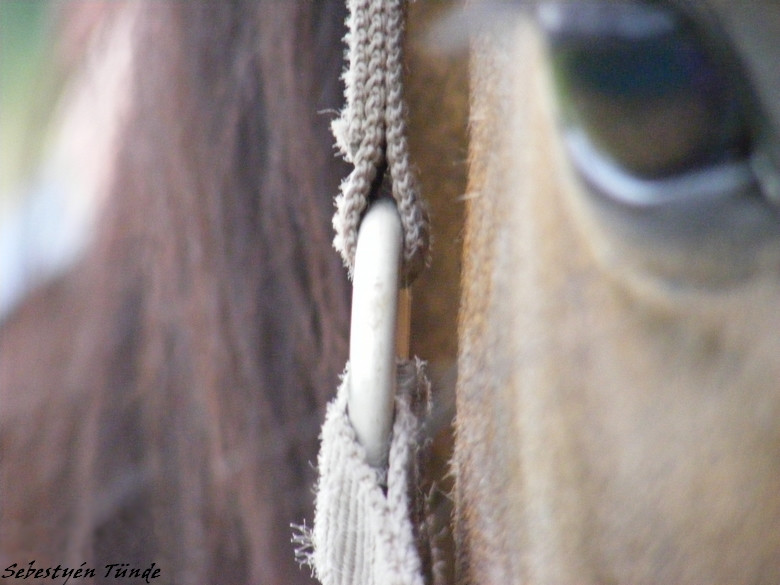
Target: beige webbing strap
{"x":364,"y":531}
{"x":371,"y":131}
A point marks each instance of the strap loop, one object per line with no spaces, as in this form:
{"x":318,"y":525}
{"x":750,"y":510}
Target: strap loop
{"x":371,"y":132}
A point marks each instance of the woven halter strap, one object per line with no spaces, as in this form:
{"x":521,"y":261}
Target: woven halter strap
{"x":368,"y":498}
{"x":371,"y":133}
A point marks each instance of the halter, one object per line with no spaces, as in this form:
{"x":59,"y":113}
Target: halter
{"x":371,"y":132}
{"x":363,"y":531}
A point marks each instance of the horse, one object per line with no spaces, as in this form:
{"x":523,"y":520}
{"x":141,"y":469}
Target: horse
{"x":163,"y":386}
{"x":617,"y":396}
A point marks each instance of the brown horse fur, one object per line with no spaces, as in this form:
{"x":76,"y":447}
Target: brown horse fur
{"x":618,"y":401}
{"x":161,"y":400}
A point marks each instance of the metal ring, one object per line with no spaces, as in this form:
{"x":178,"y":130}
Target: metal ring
{"x":372,"y":371}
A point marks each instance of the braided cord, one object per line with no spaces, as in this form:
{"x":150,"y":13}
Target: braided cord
{"x":371,"y":131}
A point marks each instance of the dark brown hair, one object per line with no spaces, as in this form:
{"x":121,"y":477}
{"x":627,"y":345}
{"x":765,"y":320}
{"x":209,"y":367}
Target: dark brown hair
{"x":161,"y":401}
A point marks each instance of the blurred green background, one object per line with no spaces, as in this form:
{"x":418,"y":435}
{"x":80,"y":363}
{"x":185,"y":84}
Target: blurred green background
{"x":25,"y":54}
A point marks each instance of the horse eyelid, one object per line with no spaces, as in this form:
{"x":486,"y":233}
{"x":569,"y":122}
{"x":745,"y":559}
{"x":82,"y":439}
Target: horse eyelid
{"x":720,"y":181}
{"x":597,"y":18}
{"x":765,"y":169}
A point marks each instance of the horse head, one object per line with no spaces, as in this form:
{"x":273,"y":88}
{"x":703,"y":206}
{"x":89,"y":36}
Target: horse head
{"x":618,"y":398}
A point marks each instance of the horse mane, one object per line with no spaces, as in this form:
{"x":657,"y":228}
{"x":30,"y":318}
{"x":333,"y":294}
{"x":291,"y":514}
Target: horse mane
{"x":162,"y":398}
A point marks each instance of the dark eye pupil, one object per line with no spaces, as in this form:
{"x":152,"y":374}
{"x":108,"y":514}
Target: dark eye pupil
{"x":643,"y":69}
{"x":652,"y":99}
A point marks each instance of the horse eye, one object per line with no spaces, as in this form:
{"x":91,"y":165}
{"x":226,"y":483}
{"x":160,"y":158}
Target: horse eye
{"x":643,"y":88}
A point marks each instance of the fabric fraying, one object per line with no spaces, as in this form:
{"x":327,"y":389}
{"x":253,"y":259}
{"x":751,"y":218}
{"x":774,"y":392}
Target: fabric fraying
{"x":363,"y":532}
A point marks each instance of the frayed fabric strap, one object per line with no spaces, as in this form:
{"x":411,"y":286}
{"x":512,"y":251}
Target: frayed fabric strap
{"x":363,"y":531}
{"x":371,"y":131}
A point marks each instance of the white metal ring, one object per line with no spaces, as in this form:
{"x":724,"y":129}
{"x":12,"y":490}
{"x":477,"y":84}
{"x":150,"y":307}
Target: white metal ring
{"x":372,"y":377}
